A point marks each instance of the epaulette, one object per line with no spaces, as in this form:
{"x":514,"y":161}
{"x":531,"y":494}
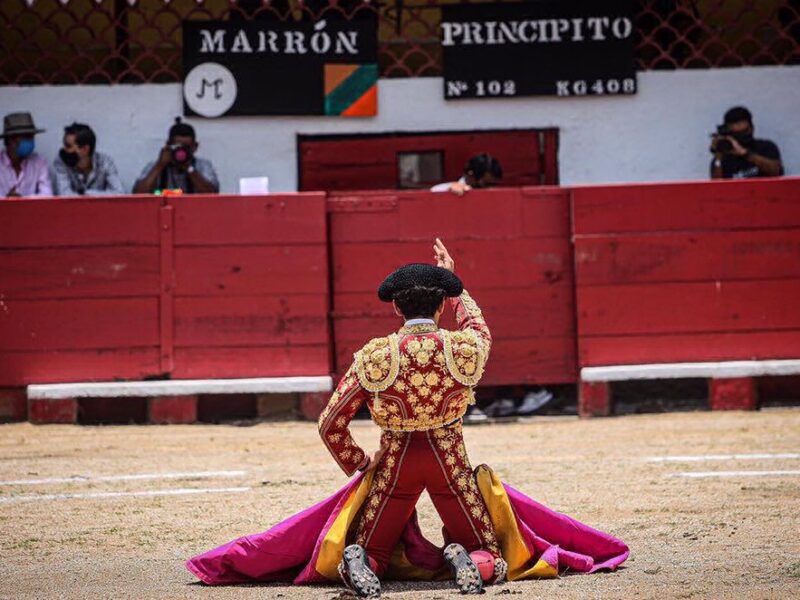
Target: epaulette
{"x":378,"y":363}
{"x":465,"y":356}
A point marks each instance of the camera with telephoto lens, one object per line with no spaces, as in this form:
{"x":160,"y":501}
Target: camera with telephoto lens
{"x":720,"y":145}
{"x":181,"y":154}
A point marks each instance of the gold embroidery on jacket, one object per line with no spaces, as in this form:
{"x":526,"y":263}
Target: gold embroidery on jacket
{"x":378,"y":363}
{"x":464,"y":356}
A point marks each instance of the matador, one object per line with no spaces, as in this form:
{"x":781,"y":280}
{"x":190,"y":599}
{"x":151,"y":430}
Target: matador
{"x":417,"y":384}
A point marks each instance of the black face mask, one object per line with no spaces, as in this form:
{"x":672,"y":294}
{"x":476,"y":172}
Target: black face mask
{"x":70,"y":158}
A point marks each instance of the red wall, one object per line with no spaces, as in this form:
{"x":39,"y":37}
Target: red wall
{"x":79,"y":283}
{"x":513,"y":252}
{"x":126,"y":288}
{"x":251,"y":286}
{"x":688,"y":272}
{"x":230,"y":286}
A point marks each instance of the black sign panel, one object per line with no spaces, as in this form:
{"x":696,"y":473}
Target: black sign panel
{"x":549,"y":47}
{"x":328,"y":67}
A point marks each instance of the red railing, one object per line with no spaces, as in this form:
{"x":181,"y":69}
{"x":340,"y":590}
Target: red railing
{"x":117,"y":41}
{"x":227,"y":286}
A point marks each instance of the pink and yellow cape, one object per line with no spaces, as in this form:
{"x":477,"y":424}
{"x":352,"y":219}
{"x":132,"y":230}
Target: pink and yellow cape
{"x":307,"y":547}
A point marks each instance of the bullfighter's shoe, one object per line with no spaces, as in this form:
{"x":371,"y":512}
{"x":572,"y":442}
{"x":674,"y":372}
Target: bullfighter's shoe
{"x":357,"y":574}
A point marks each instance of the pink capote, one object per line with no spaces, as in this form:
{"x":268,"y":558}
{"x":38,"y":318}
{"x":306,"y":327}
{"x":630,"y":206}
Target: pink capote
{"x":288,"y":551}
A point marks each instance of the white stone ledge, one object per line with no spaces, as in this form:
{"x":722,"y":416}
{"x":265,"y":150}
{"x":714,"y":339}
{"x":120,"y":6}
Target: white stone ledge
{"x":184,"y":387}
{"x":716,"y":370}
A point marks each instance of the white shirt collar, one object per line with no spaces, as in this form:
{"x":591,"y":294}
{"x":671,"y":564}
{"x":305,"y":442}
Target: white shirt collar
{"x":411,"y":322}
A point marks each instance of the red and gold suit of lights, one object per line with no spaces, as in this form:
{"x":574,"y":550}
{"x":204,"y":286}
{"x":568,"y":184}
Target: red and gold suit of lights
{"x":417,"y":383}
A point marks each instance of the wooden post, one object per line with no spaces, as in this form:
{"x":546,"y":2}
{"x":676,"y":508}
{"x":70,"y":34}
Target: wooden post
{"x":62,"y":410}
{"x":166,"y":410}
{"x":594,"y":399}
{"x":738,"y":393}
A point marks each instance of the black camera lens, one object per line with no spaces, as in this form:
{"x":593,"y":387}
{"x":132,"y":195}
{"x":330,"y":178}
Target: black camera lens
{"x":723,"y":146}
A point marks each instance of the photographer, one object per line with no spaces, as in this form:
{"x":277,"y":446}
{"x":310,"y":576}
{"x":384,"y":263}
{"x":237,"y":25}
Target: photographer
{"x":737,"y":154}
{"x":178,"y":167}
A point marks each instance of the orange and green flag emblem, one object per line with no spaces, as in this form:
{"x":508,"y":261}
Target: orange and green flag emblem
{"x":351,"y":90}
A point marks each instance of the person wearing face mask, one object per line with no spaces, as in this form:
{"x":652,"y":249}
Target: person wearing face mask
{"x":79,"y":170}
{"x":22,"y":171}
{"x":737,"y":154}
{"x":178,"y":166}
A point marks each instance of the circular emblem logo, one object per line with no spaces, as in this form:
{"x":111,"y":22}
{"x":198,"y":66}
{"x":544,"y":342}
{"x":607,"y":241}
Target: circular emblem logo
{"x":210,"y":89}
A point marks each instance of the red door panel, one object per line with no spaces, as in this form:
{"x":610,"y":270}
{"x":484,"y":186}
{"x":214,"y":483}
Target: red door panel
{"x":362,"y":162}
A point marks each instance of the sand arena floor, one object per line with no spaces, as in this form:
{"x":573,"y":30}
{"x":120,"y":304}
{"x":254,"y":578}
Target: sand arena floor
{"x":730,"y":536}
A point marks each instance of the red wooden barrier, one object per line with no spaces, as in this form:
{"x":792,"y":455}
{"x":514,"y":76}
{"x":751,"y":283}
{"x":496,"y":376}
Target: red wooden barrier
{"x":511,"y":247}
{"x":687,"y":272}
{"x":79,"y":289}
{"x":251,"y":286}
{"x":230,"y":286}
{"x":130,"y":287}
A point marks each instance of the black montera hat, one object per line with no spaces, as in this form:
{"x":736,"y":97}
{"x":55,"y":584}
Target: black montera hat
{"x":420,"y":275}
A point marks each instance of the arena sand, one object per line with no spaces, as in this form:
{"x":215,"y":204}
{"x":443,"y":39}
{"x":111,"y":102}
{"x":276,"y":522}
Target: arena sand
{"x":713,"y":537}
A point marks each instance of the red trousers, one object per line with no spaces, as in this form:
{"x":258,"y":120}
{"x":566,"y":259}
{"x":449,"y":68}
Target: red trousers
{"x":436,"y":461}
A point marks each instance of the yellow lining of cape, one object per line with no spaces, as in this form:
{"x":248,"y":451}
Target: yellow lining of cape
{"x":512,"y":545}
{"x":333,"y":544}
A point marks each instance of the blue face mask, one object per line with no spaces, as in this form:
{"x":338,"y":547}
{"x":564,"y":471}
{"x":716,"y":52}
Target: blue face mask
{"x":25,"y":148}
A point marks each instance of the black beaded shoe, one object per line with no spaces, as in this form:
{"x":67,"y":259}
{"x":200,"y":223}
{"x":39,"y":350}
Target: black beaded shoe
{"x":356,"y":573}
{"x":465,"y":571}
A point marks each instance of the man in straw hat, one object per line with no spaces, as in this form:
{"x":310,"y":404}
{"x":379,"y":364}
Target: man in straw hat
{"x":22,"y":171}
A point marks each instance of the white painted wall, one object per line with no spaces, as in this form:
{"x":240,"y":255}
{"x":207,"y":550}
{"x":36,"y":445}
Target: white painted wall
{"x":659,"y":134}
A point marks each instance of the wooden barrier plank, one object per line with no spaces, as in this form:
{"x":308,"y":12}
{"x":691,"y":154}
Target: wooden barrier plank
{"x":546,"y":212}
{"x":670,"y":257}
{"x":689,"y":347}
{"x":689,"y":206}
{"x":512,"y":250}
{"x":251,"y":321}
{"x":268,"y":220}
{"x":418,"y":216}
{"x":251,"y":286}
{"x":73,"y":324}
{"x":649,"y":309}
{"x":258,"y":361}
{"x":63,"y":366}
{"x":57,"y":222}
{"x":422,"y":216}
{"x":106,"y":271}
{"x":250,"y":270}
{"x":512,"y":313}
{"x":513,"y":263}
